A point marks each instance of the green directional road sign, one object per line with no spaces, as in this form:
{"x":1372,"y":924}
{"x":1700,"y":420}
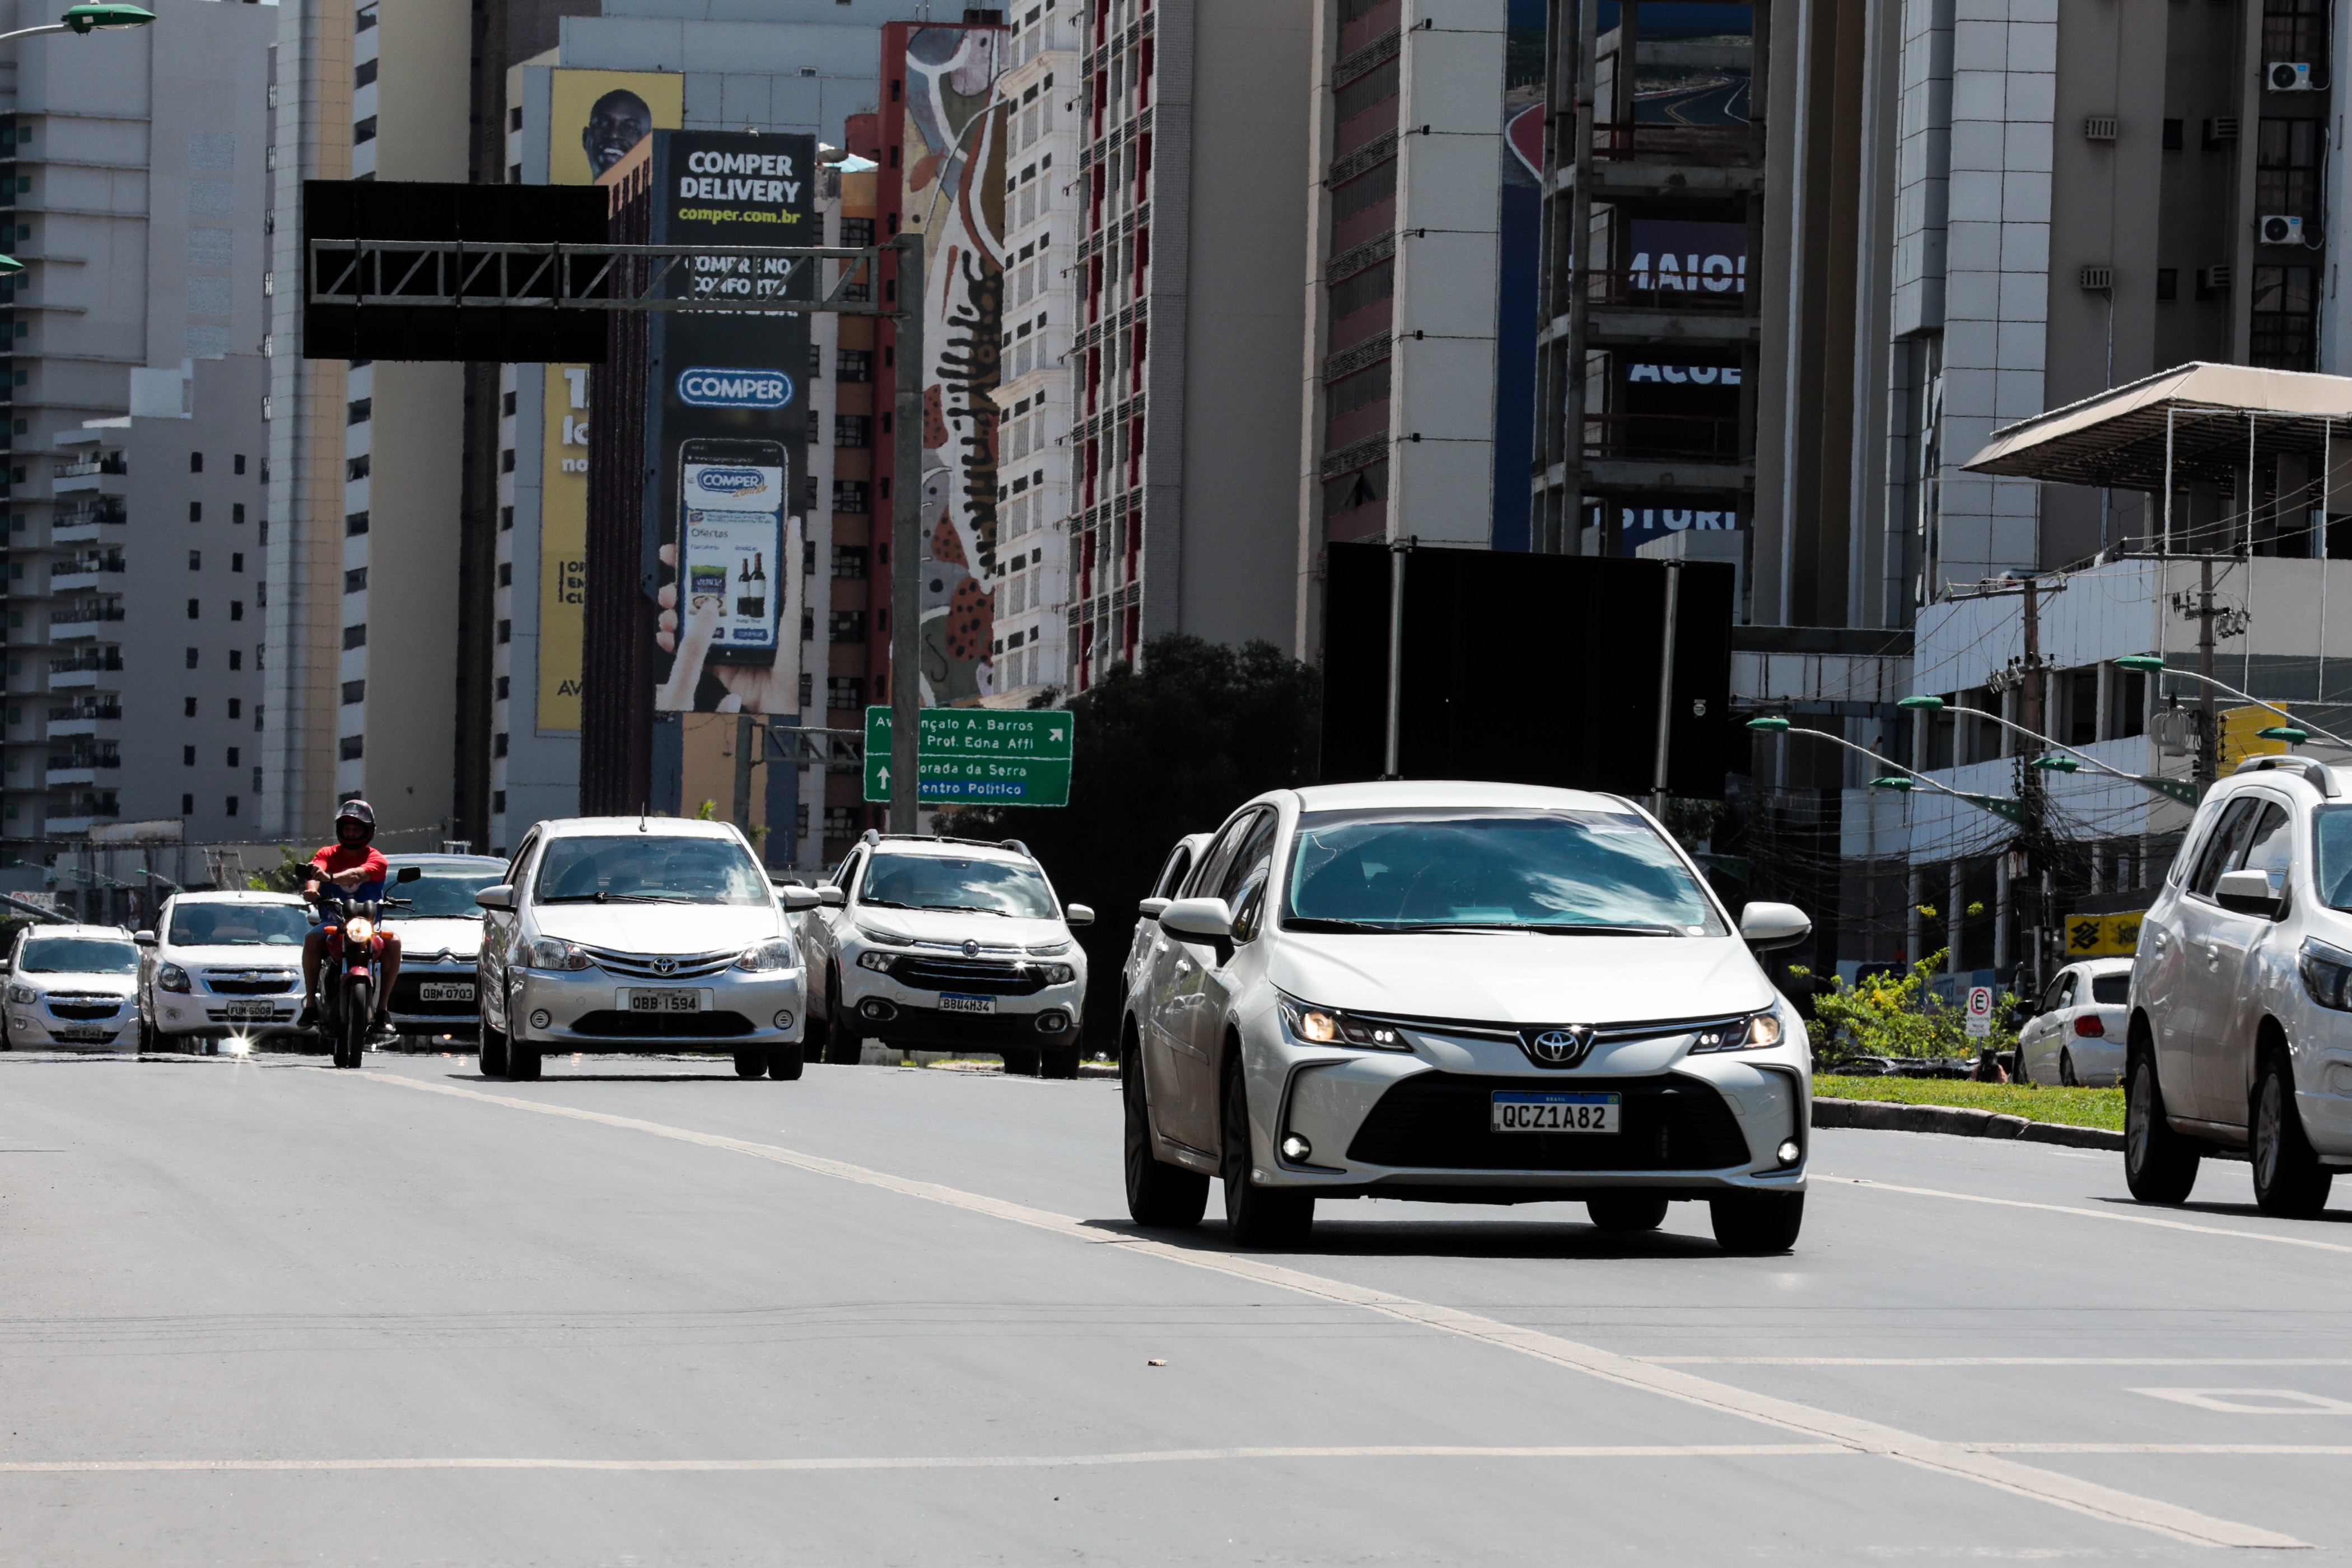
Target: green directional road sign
{"x":974,"y":756}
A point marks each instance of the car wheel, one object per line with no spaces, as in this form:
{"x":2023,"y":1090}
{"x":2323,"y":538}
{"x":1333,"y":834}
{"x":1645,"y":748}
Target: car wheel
{"x":494,"y":1052}
{"x":2066,"y":1068}
{"x":2289,"y":1180}
{"x":750,"y":1064}
{"x":2159,"y":1165}
{"x":1257,"y":1216}
{"x":523,"y":1060}
{"x":845,"y":1046}
{"x":1626,"y":1211}
{"x":1158,"y":1193}
{"x":784,"y":1061}
{"x":1059,"y":1061}
{"x":1753,"y":1225}
{"x":1021,"y":1062}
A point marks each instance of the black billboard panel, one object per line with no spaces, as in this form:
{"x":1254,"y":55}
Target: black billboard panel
{"x":1539,"y":670}
{"x":395,"y":209}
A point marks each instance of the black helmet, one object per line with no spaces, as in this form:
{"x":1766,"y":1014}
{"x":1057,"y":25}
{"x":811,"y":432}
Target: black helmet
{"x":355,"y":810}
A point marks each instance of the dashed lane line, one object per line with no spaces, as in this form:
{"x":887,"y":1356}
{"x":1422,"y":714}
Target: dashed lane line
{"x":1991,"y":1361}
{"x":1851,"y":1432}
{"x":2118,"y":1218}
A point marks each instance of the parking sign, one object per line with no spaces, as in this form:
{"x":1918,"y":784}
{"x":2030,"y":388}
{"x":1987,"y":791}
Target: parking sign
{"x":1979,"y":1010}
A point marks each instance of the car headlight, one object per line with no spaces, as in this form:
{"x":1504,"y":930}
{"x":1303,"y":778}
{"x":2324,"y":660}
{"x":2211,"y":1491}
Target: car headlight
{"x":888,"y":938}
{"x":547,"y":952}
{"x":769,"y":955}
{"x":1759,"y":1032}
{"x":1331,"y":1026}
{"x":23,"y":996}
{"x":1058,"y":973}
{"x":1049,"y":950}
{"x":171,"y":977}
{"x":359,"y":928}
{"x":878,"y":961}
{"x":2327,"y":975}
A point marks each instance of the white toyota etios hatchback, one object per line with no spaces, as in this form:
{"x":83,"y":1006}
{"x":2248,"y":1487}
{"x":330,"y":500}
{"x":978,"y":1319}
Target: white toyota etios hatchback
{"x":1461,"y":993}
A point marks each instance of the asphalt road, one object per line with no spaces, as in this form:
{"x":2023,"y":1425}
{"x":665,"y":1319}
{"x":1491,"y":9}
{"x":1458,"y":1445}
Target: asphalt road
{"x":259,"y":1312}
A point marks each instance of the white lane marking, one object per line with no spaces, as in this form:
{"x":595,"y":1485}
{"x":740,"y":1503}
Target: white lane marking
{"x":2321,"y":1450}
{"x":1991,"y":1361}
{"x":1868,"y":1436}
{"x":948,"y":1461}
{"x":2091,"y":1214}
{"x":2234,"y":1400}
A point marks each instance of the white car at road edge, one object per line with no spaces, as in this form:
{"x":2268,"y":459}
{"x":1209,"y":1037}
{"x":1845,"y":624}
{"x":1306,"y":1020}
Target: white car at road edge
{"x":2076,"y":1033}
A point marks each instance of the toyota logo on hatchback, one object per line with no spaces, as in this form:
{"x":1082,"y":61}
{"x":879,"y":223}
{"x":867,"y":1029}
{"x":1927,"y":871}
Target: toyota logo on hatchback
{"x":665,"y":966}
{"x":1560,"y":1047}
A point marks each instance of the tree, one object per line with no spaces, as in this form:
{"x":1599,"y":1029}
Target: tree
{"x":1158,"y":754}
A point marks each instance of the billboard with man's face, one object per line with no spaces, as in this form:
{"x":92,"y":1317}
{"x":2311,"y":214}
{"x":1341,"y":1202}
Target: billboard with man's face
{"x":594,"y":117}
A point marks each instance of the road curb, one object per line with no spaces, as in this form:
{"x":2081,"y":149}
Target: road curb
{"x":1957,"y":1120}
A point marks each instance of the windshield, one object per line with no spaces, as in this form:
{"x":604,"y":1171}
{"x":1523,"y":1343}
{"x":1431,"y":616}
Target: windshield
{"x":1409,"y":868}
{"x":441,"y":894}
{"x":937,"y":882}
{"x":2332,"y":826}
{"x":646,"y":869}
{"x":238,"y":925}
{"x":2111,"y":989}
{"x":78,"y":955}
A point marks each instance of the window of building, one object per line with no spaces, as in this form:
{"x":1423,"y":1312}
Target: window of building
{"x":187,"y":806}
{"x":853,"y":430}
{"x":360,"y":411}
{"x":236,"y":609}
{"x":506,"y":573}
{"x":229,"y":806}
{"x":191,"y":659}
{"x":365,"y":74}
{"x":236,"y":464}
{"x":852,"y":365}
{"x":506,"y":519}
{"x":2167,"y":283}
{"x":237,"y":560}
{"x":849,"y":561}
{"x":351,"y":748}
{"x":195,"y":511}
{"x":195,"y":560}
{"x":499,"y":800}
{"x":2285,"y":317}
{"x":355,"y":637}
{"x":236,"y":512}
{"x":506,"y":631}
{"x":195,"y":462}
{"x":498,"y":744}
{"x":363,"y":130}
{"x":507,"y":403}
{"x":854,"y":496}
{"x":188,"y":707}
{"x":365,"y":19}
{"x":355,"y":469}
{"x":846,"y":626}
{"x":2286,"y":168}
{"x":187,"y":756}
{"x":195,"y":609}
{"x":355,"y":580}
{"x":236,"y":658}
{"x":502,"y":689}
{"x":354,"y":691}
{"x":845,"y":691}
{"x":237,"y":706}
{"x":233,"y":758}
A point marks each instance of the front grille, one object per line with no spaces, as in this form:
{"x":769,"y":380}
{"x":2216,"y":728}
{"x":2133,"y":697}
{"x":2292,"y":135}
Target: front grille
{"x":614,"y":1023}
{"x":976,"y":976}
{"x":82,"y":1010}
{"x":643,"y":965}
{"x":1443,"y":1120}
{"x":405,"y":999}
{"x":249,"y":982}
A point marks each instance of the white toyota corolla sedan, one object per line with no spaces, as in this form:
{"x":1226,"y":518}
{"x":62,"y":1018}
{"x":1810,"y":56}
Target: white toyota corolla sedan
{"x":1461,"y":993}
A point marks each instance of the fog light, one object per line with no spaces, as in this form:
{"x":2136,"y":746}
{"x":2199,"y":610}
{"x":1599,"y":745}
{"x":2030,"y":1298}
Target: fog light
{"x":875,"y":1009}
{"x":1053,"y":1021}
{"x":1294,"y":1147}
{"x":783,"y":1020}
{"x":1787,"y":1152}
{"x":542,"y":1018}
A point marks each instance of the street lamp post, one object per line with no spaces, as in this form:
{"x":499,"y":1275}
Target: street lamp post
{"x":87,"y":19}
{"x":2157,"y":784}
{"x":2152,"y":663}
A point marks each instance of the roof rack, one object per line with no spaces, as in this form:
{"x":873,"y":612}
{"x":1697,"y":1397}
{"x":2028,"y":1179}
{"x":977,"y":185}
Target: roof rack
{"x":2314,"y":770}
{"x":876,"y":835}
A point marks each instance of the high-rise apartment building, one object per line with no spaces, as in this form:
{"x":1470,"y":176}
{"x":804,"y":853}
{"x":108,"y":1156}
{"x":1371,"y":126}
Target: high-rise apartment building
{"x":131,"y":188}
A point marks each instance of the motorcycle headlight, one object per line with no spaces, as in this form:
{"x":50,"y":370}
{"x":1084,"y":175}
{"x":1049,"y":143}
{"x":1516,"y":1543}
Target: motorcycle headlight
{"x":23,"y":996}
{"x":547,"y":952}
{"x":2327,"y":975}
{"x":1761,"y":1031}
{"x":876,"y":961}
{"x":769,"y":956}
{"x":171,"y":977}
{"x":1331,"y":1026}
{"x":358,"y":927}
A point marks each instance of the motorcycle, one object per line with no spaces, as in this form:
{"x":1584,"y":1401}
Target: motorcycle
{"x":350,"y":971}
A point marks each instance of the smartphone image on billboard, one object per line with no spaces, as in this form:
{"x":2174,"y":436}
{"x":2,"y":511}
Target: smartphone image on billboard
{"x":730,"y":534}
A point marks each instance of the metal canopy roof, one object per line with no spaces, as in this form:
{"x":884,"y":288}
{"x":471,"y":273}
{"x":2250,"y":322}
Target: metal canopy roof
{"x":2119,"y":438}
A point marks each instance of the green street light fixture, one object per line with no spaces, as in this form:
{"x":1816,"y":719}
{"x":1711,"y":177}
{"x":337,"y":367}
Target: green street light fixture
{"x":2142,"y":663}
{"x":2287,"y":732}
{"x":2058,"y":764}
{"x":1893,"y":781}
{"x":1921,"y":704}
{"x":2000,"y":805}
{"x":87,"y":19}
{"x":2148,"y":663}
{"x":1769,"y":724}
{"x":2075,"y":761}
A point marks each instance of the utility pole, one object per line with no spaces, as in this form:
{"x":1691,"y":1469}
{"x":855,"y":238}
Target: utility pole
{"x":2032,"y":792}
{"x":906,"y":537}
{"x":2208,"y":737}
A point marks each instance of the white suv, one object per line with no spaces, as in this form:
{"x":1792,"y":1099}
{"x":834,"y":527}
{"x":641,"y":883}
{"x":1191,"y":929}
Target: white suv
{"x":223,"y":964}
{"x":68,"y":986}
{"x":1464,"y":992}
{"x":955,"y":944}
{"x":2240,"y":1028}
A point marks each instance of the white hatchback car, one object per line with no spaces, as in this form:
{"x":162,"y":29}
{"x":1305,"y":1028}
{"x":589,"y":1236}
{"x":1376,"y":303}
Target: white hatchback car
{"x":2076,"y":1033}
{"x":224,"y":964}
{"x":71,"y":988}
{"x":629,"y":933}
{"x":1465,"y":992}
{"x":956,"y":945}
{"x":2241,"y":1029}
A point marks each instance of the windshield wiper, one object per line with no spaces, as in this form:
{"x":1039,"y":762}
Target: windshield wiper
{"x":1560,"y":930}
{"x":1319,"y":923}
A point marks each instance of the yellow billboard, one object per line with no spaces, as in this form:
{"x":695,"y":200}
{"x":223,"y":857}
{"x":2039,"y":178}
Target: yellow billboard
{"x":594,"y":117}
{"x":2241,"y":735}
{"x":2103,"y":936}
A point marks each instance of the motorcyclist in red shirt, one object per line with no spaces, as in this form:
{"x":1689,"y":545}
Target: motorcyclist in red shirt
{"x":351,"y":864}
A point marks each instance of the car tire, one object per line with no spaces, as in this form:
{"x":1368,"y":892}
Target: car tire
{"x":1756,"y":1225}
{"x":845,"y":1046}
{"x":2159,"y":1165}
{"x":1626,"y":1211}
{"x":523,"y":1061}
{"x":1259,"y":1219}
{"x":750,"y":1064}
{"x":784,"y":1061}
{"x":2066,"y":1075}
{"x":2289,"y":1180}
{"x":1159,"y":1195}
{"x":1059,"y":1061}
{"x":1021,"y":1062}
{"x":493,"y":1052}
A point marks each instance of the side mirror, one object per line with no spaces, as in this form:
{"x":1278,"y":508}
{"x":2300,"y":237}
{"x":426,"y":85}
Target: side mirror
{"x":408,"y":874}
{"x":144,"y":938}
{"x":1764,"y":927}
{"x":831,"y":897}
{"x":1152,"y":909}
{"x":2248,"y":892}
{"x":797,"y":897}
{"x":1209,"y":922}
{"x":1079,"y":915}
{"x":500,"y":896}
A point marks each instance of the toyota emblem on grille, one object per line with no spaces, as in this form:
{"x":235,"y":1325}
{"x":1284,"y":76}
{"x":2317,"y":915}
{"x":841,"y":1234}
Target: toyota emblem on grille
{"x":970,"y":948}
{"x":1563,"y":1046}
{"x":665,"y":965}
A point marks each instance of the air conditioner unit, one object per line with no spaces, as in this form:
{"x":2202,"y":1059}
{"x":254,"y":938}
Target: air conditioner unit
{"x":2212,"y":280}
{"x":2287,"y":76}
{"x":2099,"y":128}
{"x":2220,"y":129}
{"x":2098,"y":279}
{"x":2278,"y":230}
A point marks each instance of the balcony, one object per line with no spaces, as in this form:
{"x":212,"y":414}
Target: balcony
{"x":88,"y":571}
{"x":95,"y":522}
{"x":85,"y":618}
{"x":90,"y":720}
{"x":83,"y":815}
{"x":101,"y":669}
{"x":90,"y":475}
{"x":1631,"y":158}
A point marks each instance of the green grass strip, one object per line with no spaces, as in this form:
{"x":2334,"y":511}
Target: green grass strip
{"x":2071,"y":1107}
